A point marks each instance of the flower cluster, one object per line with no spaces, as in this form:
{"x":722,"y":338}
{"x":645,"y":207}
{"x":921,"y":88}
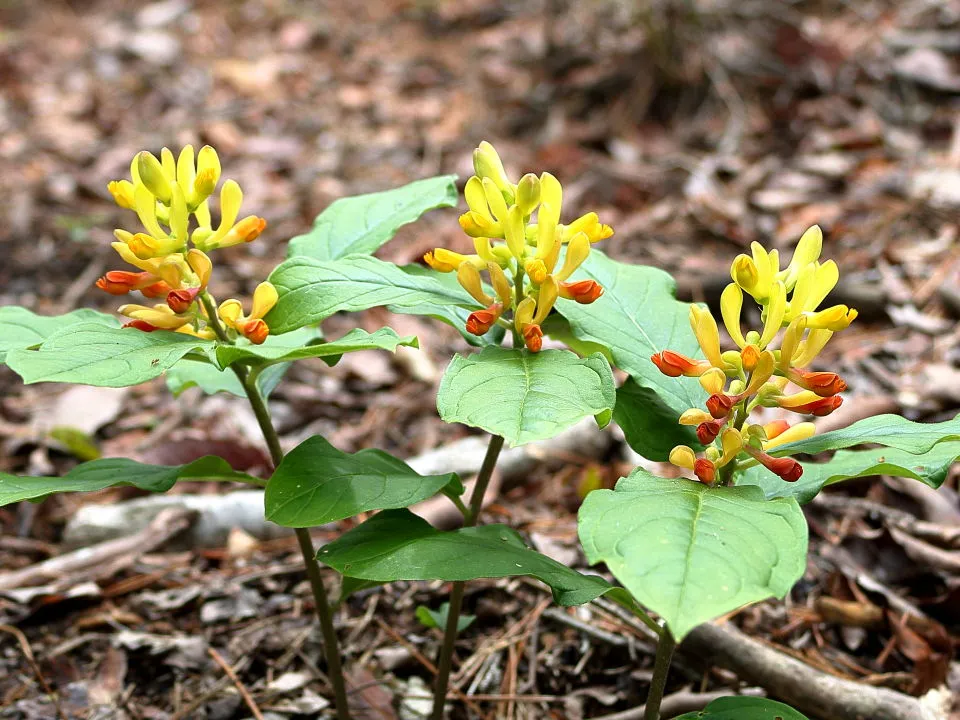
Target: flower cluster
{"x":739,"y":381}
{"x":169,"y":195}
{"x":502,"y":210}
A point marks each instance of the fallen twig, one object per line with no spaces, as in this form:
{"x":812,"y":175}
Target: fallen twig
{"x":798,"y":684}
{"x":241,"y":688}
{"x":123,"y":551}
{"x":31,"y":660}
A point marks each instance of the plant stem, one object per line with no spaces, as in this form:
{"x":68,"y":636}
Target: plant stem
{"x":331,"y":649}
{"x":445,"y":661}
{"x":661,"y":667}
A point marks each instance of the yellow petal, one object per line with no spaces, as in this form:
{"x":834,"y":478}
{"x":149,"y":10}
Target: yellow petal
{"x":682,"y":456}
{"x":500,"y":283}
{"x":528,"y":193}
{"x":708,"y":335}
{"x":695,"y":416}
{"x":513,"y":229}
{"x":811,"y":347}
{"x":495,"y":201}
{"x":152,"y":175}
{"x":791,"y":341}
{"x":731,"y":305}
{"x":523,"y":315}
{"x":775,"y":310}
{"x":487,"y":164}
{"x":551,"y":195}
{"x":834,"y":318}
{"x":732,"y":442}
{"x":577,"y":251}
{"x":761,"y":260}
{"x":761,"y":373}
{"x":208,"y":167}
{"x":713,"y":380}
{"x":264,"y":298}
{"x":825,"y":278}
{"x":549,"y":292}
{"x":179,"y":215}
{"x":122,"y":192}
{"x":800,"y":431}
{"x":476,"y":225}
{"x":230,"y":312}
{"x":469,"y":278}
{"x":186,"y":171}
{"x":200,"y":264}
{"x":146,"y":207}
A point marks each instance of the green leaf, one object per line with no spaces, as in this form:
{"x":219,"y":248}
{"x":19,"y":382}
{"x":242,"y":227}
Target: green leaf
{"x":91,"y":353}
{"x":438,"y":618}
{"x":303,"y":343}
{"x":398,"y":545}
{"x":744,"y":708}
{"x":312,"y":290}
{"x":931,"y":468}
{"x":525,"y":396}
{"x":111,"y":472}
{"x":691,"y":552}
{"x":211,"y":379}
{"x":637,"y":316}
{"x":892,"y":431}
{"x":363,"y":223}
{"x":649,"y":426}
{"x":316,"y":484}
{"x":20,"y":328}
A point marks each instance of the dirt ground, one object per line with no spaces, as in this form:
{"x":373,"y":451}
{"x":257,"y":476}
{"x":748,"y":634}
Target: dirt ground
{"x":693,"y":128}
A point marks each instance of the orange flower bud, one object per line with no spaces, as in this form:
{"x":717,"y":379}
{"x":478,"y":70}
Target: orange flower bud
{"x":750,"y":356}
{"x":705,"y":470}
{"x":255,"y":330}
{"x":181,"y":300}
{"x":787,"y":468}
{"x":720,"y":405}
{"x":583,"y":291}
{"x":823,"y":384}
{"x":156,"y":290}
{"x":141,"y":325}
{"x":120,"y":282}
{"x":533,"y":337}
{"x":480,"y":321}
{"x":707,"y":431}
{"x":674,"y":364}
{"x":776,"y":428}
{"x":818,"y":408}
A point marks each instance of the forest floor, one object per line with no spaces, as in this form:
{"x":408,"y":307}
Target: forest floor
{"x":694,"y":128}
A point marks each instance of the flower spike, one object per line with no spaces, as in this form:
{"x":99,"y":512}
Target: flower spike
{"x":756,"y":375}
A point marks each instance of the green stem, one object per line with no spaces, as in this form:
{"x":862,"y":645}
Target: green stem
{"x":445,"y":661}
{"x":331,"y":648}
{"x":661,"y":667}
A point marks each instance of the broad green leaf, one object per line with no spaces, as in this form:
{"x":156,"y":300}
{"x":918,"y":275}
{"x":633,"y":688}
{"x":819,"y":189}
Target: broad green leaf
{"x":438,"y":618}
{"x":316,"y":484}
{"x":20,"y":328}
{"x":361,"y":224}
{"x":398,"y":545}
{"x":313,"y":290}
{"x":930,"y":467}
{"x":638,"y":316}
{"x":649,"y":426}
{"x":744,"y":708}
{"x":892,"y":431}
{"x":208,"y":377}
{"x":691,"y":552}
{"x":304,"y":343}
{"x":96,"y":354}
{"x":525,"y":396}
{"x":110,"y":472}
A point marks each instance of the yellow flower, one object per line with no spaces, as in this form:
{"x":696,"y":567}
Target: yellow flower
{"x":159,"y":317}
{"x":251,"y":326}
{"x":707,"y":333}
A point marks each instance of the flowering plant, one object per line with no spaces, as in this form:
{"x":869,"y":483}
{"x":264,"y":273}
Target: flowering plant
{"x":686,"y":550}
